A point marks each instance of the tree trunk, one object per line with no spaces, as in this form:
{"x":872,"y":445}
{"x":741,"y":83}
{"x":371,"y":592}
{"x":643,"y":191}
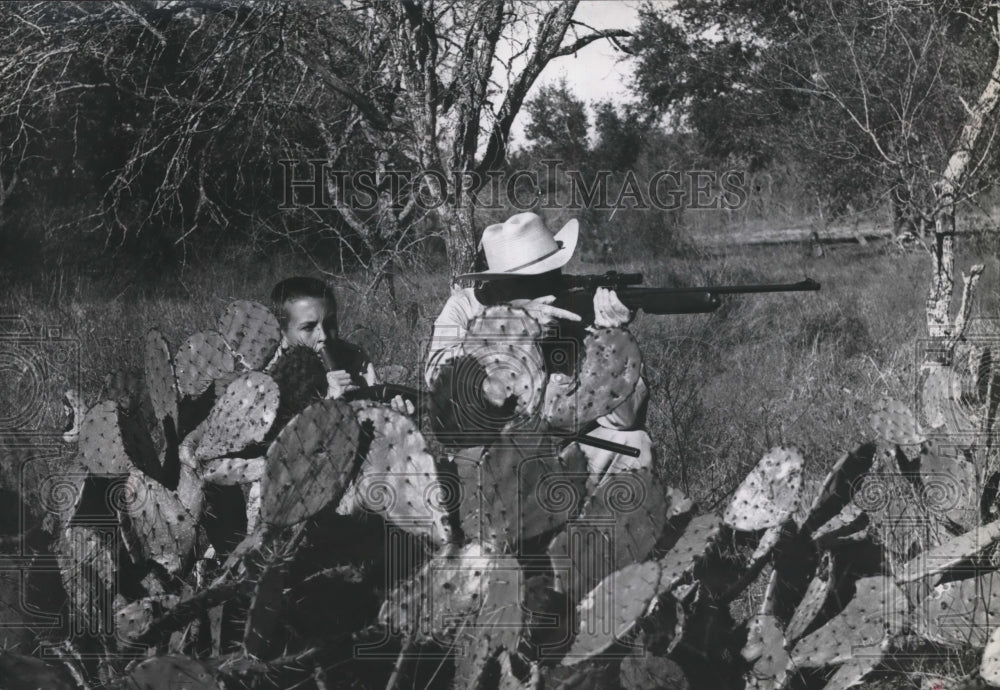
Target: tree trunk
{"x":939,"y":325}
{"x":935,"y":387}
{"x":461,"y":237}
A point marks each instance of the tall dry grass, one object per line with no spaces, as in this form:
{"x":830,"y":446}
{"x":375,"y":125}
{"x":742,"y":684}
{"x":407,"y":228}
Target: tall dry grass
{"x":798,"y":369}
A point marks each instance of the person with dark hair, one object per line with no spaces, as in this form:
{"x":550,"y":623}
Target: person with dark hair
{"x":307,"y":313}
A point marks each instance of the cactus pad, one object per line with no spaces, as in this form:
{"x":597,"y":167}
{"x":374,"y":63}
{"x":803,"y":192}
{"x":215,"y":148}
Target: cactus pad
{"x":608,"y":375}
{"x":610,"y":611}
{"x":765,"y":649}
{"x":460,"y":415}
{"x":873,"y":614}
{"x":620,"y":525}
{"x":520,"y":488}
{"x":242,"y":416}
{"x":989,"y":667}
{"x":164,"y":527}
{"x":698,"y":536}
{"x":938,"y":387}
{"x":172,"y":673}
{"x":853,"y":671}
{"x":960,"y":613}
{"x":88,"y":564}
{"x":850,"y":520}
{"x":264,"y":617}
{"x":949,"y":488}
{"x":769,"y":493}
{"x":890,"y":498}
{"x":398,"y":478}
{"x":251,"y":331}
{"x":201,"y":359}
{"x":838,"y":487}
{"x":133,"y":619}
{"x":642,"y":672}
{"x":229,"y":471}
{"x":504,"y":341}
{"x":160,"y":380}
{"x":894,"y":422}
{"x":497,"y":626}
{"x":950,"y":553}
{"x":443,"y":595}
{"x":310,"y":462}
{"x":102,"y":450}
{"x":812,"y":601}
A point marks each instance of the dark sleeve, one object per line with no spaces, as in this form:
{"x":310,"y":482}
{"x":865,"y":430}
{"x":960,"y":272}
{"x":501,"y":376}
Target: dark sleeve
{"x":350,"y":358}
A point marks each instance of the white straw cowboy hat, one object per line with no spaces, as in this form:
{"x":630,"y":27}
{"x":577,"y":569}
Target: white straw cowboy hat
{"x":522,"y":245}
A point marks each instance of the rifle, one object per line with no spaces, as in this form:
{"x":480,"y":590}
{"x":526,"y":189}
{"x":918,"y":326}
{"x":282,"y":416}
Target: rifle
{"x":656,"y":300}
{"x":575,"y":292}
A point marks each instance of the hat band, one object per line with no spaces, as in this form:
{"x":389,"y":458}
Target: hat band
{"x":543,"y":257}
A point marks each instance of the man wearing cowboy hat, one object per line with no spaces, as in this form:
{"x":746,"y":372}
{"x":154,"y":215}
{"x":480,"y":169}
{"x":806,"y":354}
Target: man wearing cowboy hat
{"x":523,"y":261}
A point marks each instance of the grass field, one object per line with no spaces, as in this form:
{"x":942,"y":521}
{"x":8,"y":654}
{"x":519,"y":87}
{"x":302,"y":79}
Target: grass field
{"x":798,"y":369}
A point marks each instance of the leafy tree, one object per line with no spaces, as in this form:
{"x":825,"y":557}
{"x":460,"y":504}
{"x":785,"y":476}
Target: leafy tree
{"x":191,"y":105}
{"x":892,"y":99}
{"x":557,"y":126}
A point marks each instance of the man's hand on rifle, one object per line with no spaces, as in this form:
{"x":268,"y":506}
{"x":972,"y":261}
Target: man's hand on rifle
{"x":542,"y":311}
{"x":609,"y":312}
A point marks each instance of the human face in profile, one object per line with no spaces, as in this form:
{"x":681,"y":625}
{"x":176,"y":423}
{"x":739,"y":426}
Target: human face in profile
{"x":305,"y":322}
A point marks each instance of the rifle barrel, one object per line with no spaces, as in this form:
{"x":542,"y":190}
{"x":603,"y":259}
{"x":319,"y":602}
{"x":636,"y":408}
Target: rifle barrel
{"x":801,"y":286}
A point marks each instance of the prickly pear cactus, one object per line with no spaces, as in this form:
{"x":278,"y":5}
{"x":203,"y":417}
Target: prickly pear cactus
{"x":229,"y":471}
{"x":812,"y":603}
{"x":519,"y":489}
{"x":620,"y":525}
{"x":894,"y":422}
{"x":242,"y":416}
{"x":851,"y":673}
{"x":949,"y":488}
{"x":102,"y":450}
{"x":132,"y":620}
{"x":22,"y":671}
{"x":443,"y":596}
{"x":610,"y":611}
{"x":262,"y":633}
{"x":960,"y":613}
{"x":989,"y":667}
{"x":301,"y":379}
{"x":165,"y":528}
{"x":950,"y":553}
{"x":88,"y":563}
{"x":608,"y":375}
{"x":398,"y":478}
{"x":769,"y":494}
{"x":851,"y":522}
{"x":644,"y":671}
{"x":201,"y":359}
{"x":310,"y":463}
{"x":838,"y":487}
{"x":765,"y":649}
{"x":252,"y":333}
{"x":698,"y":537}
{"x":504,"y":341}
{"x":497,"y":625}
{"x":160,"y":380}
{"x":872,"y":616}
{"x":173,"y":673}
{"x":939,"y":387}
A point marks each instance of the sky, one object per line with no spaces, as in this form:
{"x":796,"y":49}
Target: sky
{"x":595,"y":73}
